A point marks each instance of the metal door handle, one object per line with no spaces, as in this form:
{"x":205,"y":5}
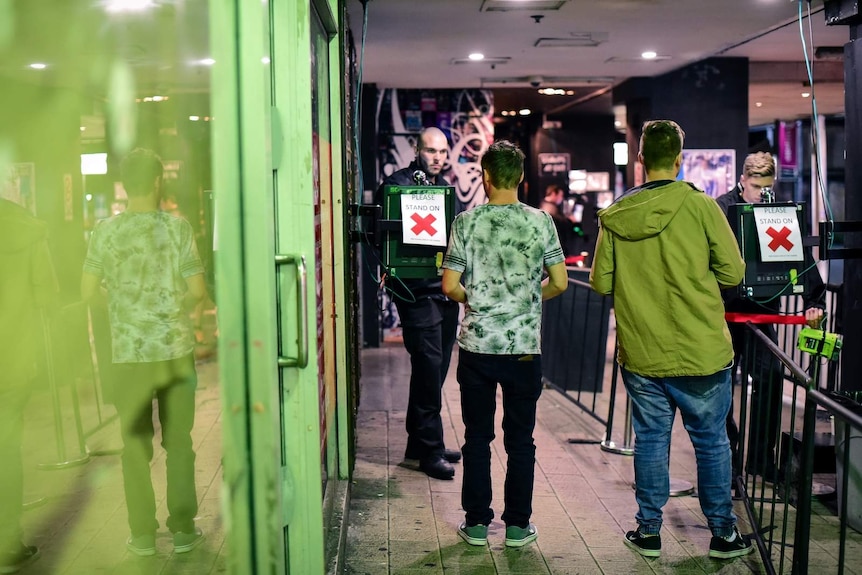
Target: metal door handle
{"x":301,"y":359}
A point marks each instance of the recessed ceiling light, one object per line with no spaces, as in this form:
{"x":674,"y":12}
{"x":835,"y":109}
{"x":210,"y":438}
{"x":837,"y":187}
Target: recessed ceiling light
{"x":476,"y":56}
{"x":525,"y":111}
{"x":758,"y":104}
{"x":83,"y":128}
{"x":206,"y":62}
{"x":806,"y":94}
{"x":648,"y":55}
{"x":265,"y":59}
{"x":194,"y":118}
{"x":38,"y":66}
{"x":117,"y":6}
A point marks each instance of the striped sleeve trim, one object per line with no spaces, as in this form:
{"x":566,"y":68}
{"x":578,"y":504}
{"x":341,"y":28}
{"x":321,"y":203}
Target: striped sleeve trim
{"x":554,"y":256}
{"x":192,"y":268}
{"x":454,"y":263}
{"x":93,"y":267}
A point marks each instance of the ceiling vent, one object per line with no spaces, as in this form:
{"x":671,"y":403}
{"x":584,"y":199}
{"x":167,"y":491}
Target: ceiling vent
{"x":493,"y":61}
{"x":510,"y":5}
{"x":576,"y":40}
{"x":545,"y":81}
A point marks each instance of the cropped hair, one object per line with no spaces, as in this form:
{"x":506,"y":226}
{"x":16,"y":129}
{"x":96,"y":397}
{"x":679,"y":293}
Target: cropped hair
{"x":139,"y":171}
{"x":759,"y":165}
{"x":505,"y":164}
{"x":661,"y":142}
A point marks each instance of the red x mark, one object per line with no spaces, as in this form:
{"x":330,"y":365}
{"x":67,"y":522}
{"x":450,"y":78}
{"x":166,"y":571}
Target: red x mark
{"x":779,"y":238}
{"x":423,"y":224}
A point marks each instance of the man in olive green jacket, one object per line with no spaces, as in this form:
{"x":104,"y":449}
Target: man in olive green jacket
{"x":664,"y":251}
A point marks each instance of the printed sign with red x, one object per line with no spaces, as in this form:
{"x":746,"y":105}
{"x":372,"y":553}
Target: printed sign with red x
{"x":423,"y":218}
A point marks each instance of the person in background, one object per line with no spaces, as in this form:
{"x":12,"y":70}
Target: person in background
{"x":28,"y":287}
{"x":494,"y":264}
{"x":153,"y":276}
{"x":553,"y":205}
{"x":767,"y":375}
{"x":428,"y":324}
{"x":665,"y":251}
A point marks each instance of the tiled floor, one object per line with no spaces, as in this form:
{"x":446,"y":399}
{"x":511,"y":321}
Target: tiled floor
{"x":80,"y":526}
{"x":403,"y":522}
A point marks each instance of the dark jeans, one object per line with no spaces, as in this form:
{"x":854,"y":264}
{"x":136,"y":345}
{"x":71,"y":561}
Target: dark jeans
{"x":173,"y":384}
{"x":520,"y":377}
{"x":13,"y":398}
{"x":764,"y":416}
{"x":428,"y":327}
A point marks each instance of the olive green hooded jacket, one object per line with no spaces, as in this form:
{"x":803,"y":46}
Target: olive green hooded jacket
{"x":664,"y":251}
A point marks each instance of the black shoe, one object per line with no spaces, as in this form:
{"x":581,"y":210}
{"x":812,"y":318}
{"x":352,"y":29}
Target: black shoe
{"x":721,"y":548}
{"x":452,"y":455}
{"x":646,"y":545}
{"x":14,"y":561}
{"x":437,"y":467}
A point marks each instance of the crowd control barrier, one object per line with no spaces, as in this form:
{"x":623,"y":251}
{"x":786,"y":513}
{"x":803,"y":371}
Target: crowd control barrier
{"x":797,"y":526}
{"x":575,"y":344}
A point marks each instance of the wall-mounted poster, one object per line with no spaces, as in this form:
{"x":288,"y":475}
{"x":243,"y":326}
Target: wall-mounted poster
{"x":20,"y":185}
{"x":713,"y":171}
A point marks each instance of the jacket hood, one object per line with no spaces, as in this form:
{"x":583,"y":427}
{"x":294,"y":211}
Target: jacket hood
{"x":645,"y":211}
{"x":18,"y":228}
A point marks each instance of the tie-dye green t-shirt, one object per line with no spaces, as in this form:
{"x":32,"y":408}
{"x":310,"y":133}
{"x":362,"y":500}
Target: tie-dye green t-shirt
{"x":501,"y":252}
{"x":144,"y":258}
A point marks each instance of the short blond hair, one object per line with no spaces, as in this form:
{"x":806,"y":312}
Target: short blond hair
{"x":758,"y":165}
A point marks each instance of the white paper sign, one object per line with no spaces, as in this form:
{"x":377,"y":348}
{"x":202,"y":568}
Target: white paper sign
{"x":778,"y":234}
{"x":423,"y":219}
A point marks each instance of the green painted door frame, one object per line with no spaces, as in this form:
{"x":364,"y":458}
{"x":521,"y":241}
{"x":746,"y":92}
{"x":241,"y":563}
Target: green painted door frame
{"x":262,"y":160}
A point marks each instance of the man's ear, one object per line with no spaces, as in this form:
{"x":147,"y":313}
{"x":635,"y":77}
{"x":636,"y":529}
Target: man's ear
{"x":522,"y":178}
{"x":641,"y":158}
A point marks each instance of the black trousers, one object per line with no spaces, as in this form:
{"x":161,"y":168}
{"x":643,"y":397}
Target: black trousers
{"x":520,"y":378}
{"x":173,"y":385}
{"x":428,"y":327}
{"x":767,"y":382}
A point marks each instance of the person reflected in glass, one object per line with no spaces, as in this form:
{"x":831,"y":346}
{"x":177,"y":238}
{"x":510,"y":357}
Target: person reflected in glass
{"x":147,"y":263}
{"x":27,"y":287}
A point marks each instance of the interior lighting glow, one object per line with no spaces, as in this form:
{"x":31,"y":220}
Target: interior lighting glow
{"x":38,"y":66}
{"x":158,"y":98}
{"x":806,"y":94}
{"x":525,"y":111}
{"x":118,"y":6}
{"x":206,"y":62}
{"x":476,"y":56}
{"x":570,"y":92}
{"x":83,"y":128}
{"x":94,"y":164}
{"x":194,"y":118}
{"x":648,"y":55}
{"x":265,"y":59}
{"x":621,"y":153}
{"x":89,"y":197}
{"x":758,"y":104}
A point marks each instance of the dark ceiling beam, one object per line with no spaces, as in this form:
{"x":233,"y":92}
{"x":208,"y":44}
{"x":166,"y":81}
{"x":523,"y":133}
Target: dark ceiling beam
{"x":765,"y":72}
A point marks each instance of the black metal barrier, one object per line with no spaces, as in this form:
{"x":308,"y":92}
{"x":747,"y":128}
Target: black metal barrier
{"x":779,"y":449}
{"x":575,"y":342}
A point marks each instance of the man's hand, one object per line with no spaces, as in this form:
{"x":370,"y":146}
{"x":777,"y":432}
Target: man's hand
{"x":814,"y":317}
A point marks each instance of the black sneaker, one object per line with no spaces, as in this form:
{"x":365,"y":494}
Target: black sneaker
{"x":14,"y":561}
{"x":646,"y":545}
{"x":721,"y":548}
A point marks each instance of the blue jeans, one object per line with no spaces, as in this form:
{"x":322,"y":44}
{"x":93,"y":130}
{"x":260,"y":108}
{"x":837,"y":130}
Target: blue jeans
{"x":520,"y":377}
{"x":703,"y":402}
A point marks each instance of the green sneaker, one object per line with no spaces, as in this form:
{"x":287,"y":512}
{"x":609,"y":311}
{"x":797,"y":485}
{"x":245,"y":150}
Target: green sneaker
{"x":142,"y":545}
{"x":185,"y":542}
{"x":474,"y":535}
{"x":520,"y":536}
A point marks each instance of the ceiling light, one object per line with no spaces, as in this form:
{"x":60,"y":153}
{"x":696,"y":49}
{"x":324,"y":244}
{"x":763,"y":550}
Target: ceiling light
{"x":118,"y":6}
{"x":570,"y":92}
{"x":38,"y":66}
{"x":758,"y":104}
{"x":648,"y":55}
{"x":206,"y":62}
{"x":476,"y":56}
{"x":83,"y":128}
{"x":806,"y":94}
{"x":525,"y":111}
{"x":194,"y":118}
{"x":265,"y":59}
{"x":507,"y":5}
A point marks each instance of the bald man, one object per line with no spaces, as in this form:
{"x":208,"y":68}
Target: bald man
{"x":428,"y":323}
